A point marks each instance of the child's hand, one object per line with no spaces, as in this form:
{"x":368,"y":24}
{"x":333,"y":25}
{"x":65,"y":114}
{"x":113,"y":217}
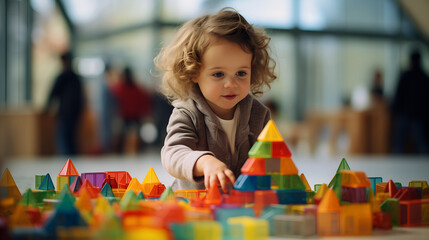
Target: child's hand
{"x":214,"y":171}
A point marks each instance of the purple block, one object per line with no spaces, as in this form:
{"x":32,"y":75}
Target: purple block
{"x":354,"y":195}
{"x":95,"y":178}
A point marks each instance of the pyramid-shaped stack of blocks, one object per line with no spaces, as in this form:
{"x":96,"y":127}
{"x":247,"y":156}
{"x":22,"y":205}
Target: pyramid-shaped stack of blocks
{"x":270,"y":167}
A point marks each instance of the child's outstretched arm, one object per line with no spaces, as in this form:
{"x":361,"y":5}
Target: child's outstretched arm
{"x":214,"y":172}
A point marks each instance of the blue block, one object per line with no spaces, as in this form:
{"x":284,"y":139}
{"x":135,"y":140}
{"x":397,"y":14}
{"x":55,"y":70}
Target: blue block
{"x":374,"y":181}
{"x":292,"y":196}
{"x":270,"y":212}
{"x":222,"y":214}
{"x":246,"y":183}
{"x":264,"y":182}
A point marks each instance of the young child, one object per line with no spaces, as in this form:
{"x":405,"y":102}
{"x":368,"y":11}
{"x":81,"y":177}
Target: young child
{"x":211,"y":71}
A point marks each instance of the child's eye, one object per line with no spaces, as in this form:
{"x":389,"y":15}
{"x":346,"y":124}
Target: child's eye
{"x":218,"y":74}
{"x":241,"y":73}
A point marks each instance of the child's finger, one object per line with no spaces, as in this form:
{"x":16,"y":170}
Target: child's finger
{"x":230,"y":176}
{"x":223,"y":181}
{"x":207,"y":181}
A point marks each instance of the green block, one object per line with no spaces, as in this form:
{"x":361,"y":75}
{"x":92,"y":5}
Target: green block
{"x":261,"y":149}
{"x":275,"y":179}
{"x":343,"y":165}
{"x":38,"y":181}
{"x":317,"y":186}
{"x":129,"y":201}
{"x":391,"y":206}
{"x":291,"y":182}
{"x":39,"y":195}
{"x":106,"y":191}
{"x":335,"y":184}
{"x":310,"y":196}
{"x":28,"y":199}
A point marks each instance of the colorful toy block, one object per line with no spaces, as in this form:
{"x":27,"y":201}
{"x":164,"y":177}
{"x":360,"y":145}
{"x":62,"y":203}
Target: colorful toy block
{"x":76,"y":184}
{"x":254,"y":166}
{"x":28,"y":199}
{"x":253,"y":229}
{"x":294,"y":226}
{"x":328,"y":215}
{"x":263,"y":199}
{"x":374,"y":181}
{"x":68,"y":169}
{"x":391,"y":206}
{"x":46,"y":183}
{"x":95,"y":178}
{"x":8,"y":188}
{"x":356,"y":219}
{"x":150,"y":181}
{"x":122,"y":178}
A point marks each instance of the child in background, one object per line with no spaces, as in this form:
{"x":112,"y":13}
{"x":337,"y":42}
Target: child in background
{"x":211,"y":72}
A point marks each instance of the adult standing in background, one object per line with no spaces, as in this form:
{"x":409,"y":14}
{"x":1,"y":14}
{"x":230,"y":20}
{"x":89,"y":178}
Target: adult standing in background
{"x":68,"y":92}
{"x":409,"y":111}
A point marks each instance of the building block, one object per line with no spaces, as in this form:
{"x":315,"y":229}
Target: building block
{"x":106,"y":191}
{"x":272,"y":166}
{"x":184,"y":231}
{"x":320,"y":193}
{"x":28,"y":199}
{"x":95,"y":178}
{"x":65,"y":215}
{"x":356,"y":219}
{"x":76,"y":184}
{"x":305,"y":182}
{"x":354,"y":179}
{"x":83,"y":202}
{"x":41,"y":195}
{"x":20,"y":218}
{"x":381,"y":220}
{"x":253,"y":229}
{"x":391,"y":206}
{"x":380,"y":187}
{"x":261,"y":150}
{"x":135,"y":186}
{"x":374,"y":181}
{"x":213,"y":196}
{"x":191,"y":194}
{"x":208,"y":230}
{"x":413,"y":212}
{"x":328,"y":215}
{"x":375,"y":206}
{"x":149,"y":181}
{"x":421,"y":184}
{"x":129,"y":201}
{"x":254,"y":166}
{"x":223,"y":213}
{"x":38,"y":180}
{"x":280,"y":149}
{"x":92,"y":191}
{"x":291,"y":196}
{"x":408,"y":193}
{"x":264,"y":198}
{"x":157,"y":190}
{"x":122,"y":178}
{"x":68,"y":169}
{"x":287,"y":167}
{"x":8,"y":188}
{"x":168,"y":194}
{"x":64,"y":180}
{"x":343,"y":165}
{"x":270,"y":133}
{"x":239,"y":198}
{"x":246,"y":183}
{"x":391,"y":188}
{"x":295,"y":226}
{"x":269,"y":212}
{"x":317,"y":186}
{"x":46,"y":183}
{"x":111,"y":181}
{"x":290,"y":182}
{"x":263,"y":182}
{"x":354,"y":195}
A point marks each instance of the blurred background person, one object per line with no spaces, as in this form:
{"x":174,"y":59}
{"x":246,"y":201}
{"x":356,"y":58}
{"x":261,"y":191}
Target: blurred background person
{"x":68,"y":92}
{"x":134,"y":104}
{"x":409,"y":110}
{"x":106,"y":108}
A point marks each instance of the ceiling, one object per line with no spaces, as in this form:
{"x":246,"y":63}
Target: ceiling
{"x":418,"y":11}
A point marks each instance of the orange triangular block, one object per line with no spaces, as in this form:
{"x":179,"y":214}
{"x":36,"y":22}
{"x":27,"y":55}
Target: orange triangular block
{"x":20,"y":218}
{"x":287,"y":167}
{"x":391,"y":188}
{"x":151,"y":177}
{"x":84,"y":203}
{"x":304,"y":180}
{"x":86,"y":186}
{"x":270,"y":133}
{"x":68,"y":169}
{"x":213,"y":196}
{"x":7,"y":179}
{"x":135,"y":186}
{"x":329,"y":203}
{"x":254,"y":166}
{"x":321,"y":191}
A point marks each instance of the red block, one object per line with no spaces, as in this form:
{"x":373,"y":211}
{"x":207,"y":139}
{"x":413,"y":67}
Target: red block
{"x":280,"y":149}
{"x":264,"y":198}
{"x":405,"y":194}
{"x":382,"y":220}
{"x":410,"y":213}
{"x":254,"y":166}
{"x":111,"y":181}
{"x":156,"y":191}
{"x":123,"y":178}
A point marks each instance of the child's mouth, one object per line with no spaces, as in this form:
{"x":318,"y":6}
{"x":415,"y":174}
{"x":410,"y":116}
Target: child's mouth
{"x":230,"y":97}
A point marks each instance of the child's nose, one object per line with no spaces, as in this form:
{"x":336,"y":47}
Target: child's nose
{"x":230,"y":82}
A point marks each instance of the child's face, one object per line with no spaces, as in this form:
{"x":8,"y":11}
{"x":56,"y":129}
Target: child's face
{"x":224,"y":77}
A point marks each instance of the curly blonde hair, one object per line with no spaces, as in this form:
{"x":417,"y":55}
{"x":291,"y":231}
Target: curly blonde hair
{"x":180,"y":61}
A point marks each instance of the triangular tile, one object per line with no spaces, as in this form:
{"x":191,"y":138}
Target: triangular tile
{"x":68,"y":169}
{"x":270,"y":133}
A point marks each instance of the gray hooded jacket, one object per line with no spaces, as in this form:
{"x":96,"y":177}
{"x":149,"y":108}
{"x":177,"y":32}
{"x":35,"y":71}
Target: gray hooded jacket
{"x":194,"y":130}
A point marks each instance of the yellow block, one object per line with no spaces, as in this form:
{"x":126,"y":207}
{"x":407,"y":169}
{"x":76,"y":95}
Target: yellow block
{"x":207,"y":230}
{"x":253,"y":228}
{"x":356,"y":219}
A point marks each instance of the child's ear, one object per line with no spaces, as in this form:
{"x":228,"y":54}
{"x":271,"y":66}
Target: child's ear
{"x":195,"y":80}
